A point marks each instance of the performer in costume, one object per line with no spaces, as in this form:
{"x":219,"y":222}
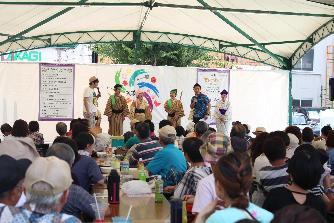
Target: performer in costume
{"x":174,"y":108}
{"x":200,"y":103}
{"x":116,"y":110}
{"x":89,"y":108}
{"x":223,"y":114}
{"x":139,"y":108}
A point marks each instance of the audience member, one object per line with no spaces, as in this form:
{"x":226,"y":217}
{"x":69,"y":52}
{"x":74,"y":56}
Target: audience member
{"x":259,"y":130}
{"x":256,"y":146}
{"x":34,"y":133}
{"x":325,"y":130}
{"x":305,"y":171}
{"x":212,"y":129}
{"x":215,"y":146}
{"x":79,"y":200}
{"x":127,"y":136}
{"x":12,"y":174}
{"x":233,"y":174}
{"x":190,"y":128}
{"x":86,"y":169}
{"x":294,"y":143}
{"x":239,"y":144}
{"x":169,"y":162}
{"x":61,"y":128}
{"x":152,"y":129}
{"x":46,"y":185}
{"x":71,"y":143}
{"x":69,"y":133}
{"x":196,"y":171}
{"x":307,"y":135}
{"x":164,"y":122}
{"x":294,"y":130}
{"x":6,"y":130}
{"x":180,"y":132}
{"x":247,"y":136}
{"x":102,"y":142}
{"x":147,"y":147}
{"x":134,"y":139}
{"x":79,"y":126}
{"x":20,"y":146}
{"x":274,"y":175}
{"x":295,"y":213}
{"x":200,"y":128}
{"x":330,"y":149}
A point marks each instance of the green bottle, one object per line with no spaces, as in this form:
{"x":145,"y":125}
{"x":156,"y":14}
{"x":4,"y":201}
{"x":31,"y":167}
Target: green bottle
{"x":159,"y":184}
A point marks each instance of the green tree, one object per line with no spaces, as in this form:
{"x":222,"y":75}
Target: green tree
{"x":158,"y":54}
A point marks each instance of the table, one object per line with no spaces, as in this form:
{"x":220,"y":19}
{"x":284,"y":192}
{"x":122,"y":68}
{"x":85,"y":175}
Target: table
{"x":144,"y":209}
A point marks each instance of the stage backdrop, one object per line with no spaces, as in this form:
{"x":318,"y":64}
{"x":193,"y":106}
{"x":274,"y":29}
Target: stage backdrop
{"x":259,"y":98}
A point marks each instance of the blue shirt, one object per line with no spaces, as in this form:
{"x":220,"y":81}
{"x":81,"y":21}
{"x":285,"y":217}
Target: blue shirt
{"x":229,"y":215}
{"x":170,"y":164}
{"x":87,"y":172}
{"x":200,"y":109}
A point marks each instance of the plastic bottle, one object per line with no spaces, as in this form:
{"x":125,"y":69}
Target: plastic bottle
{"x":113,"y":187}
{"x":159,"y":184}
{"x":141,"y":165}
{"x":125,"y":166}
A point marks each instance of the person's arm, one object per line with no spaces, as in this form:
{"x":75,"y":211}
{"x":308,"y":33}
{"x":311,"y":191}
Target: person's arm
{"x":193,"y":102}
{"x":181,"y":110}
{"x":94,"y":173}
{"x":86,"y":105}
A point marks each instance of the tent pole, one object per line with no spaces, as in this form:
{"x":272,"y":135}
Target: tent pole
{"x":290,"y":98}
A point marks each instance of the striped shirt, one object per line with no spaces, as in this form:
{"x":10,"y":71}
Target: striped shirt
{"x":145,"y":150}
{"x":188,"y":184}
{"x":273,"y":177}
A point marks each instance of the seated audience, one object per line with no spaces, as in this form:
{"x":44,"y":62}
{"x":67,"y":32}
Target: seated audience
{"x":152,"y":129}
{"x":330,"y":149}
{"x":71,"y":143}
{"x":307,"y":135}
{"x":239,"y":144}
{"x":259,"y":130}
{"x":190,"y":130}
{"x":81,"y":125}
{"x":200,"y":128}
{"x":46,"y":185}
{"x":127,"y":136}
{"x":12,"y":174}
{"x":305,"y":171}
{"x":61,"y":128}
{"x":215,"y":146}
{"x":180,"y":134}
{"x":233,"y":179}
{"x":86,"y":169}
{"x":247,"y":136}
{"x":20,"y":146}
{"x":134,"y":139}
{"x":164,"y":122}
{"x":324,"y":131}
{"x":6,"y":130}
{"x":294,"y":143}
{"x":34,"y":133}
{"x":294,"y":130}
{"x":147,"y":147}
{"x":102,"y":142}
{"x":196,"y":171}
{"x":79,"y":200}
{"x":295,"y":213}
{"x":275,"y":174}
{"x":256,"y":147}
{"x":168,"y":162}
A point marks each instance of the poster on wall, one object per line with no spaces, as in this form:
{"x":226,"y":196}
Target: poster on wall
{"x":213,"y":81}
{"x":56,"y":92}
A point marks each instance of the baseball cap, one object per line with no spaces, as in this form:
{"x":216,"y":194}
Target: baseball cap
{"x":93,"y":78}
{"x":11,"y":172}
{"x":167,"y":131}
{"x":259,"y":130}
{"x":216,"y":145}
{"x":50,"y":170}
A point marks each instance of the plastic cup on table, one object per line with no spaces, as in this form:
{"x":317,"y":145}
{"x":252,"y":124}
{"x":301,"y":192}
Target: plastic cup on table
{"x":119,"y":219}
{"x":99,"y":210}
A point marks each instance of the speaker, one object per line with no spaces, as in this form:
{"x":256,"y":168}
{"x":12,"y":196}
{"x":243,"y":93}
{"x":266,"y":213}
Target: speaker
{"x":95,"y":57}
{"x":331,"y":89}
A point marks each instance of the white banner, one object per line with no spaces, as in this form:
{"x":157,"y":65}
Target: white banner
{"x":259,"y":98}
{"x":213,"y":81}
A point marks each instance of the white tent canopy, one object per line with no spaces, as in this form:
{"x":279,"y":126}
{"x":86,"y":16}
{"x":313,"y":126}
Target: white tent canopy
{"x":274,"y":32}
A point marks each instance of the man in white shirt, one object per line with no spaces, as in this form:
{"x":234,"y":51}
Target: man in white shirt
{"x":89,"y":107}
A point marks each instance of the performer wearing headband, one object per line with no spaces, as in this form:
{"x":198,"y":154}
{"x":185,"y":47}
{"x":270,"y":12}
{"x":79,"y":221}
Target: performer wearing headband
{"x":174,"y":109}
{"x":116,"y":110}
{"x":223,"y":114}
{"x":139,"y":108}
{"x":89,"y":108}
{"x":200,"y":103}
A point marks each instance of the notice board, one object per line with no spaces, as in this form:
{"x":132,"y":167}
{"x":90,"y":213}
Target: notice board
{"x":56,"y":92}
